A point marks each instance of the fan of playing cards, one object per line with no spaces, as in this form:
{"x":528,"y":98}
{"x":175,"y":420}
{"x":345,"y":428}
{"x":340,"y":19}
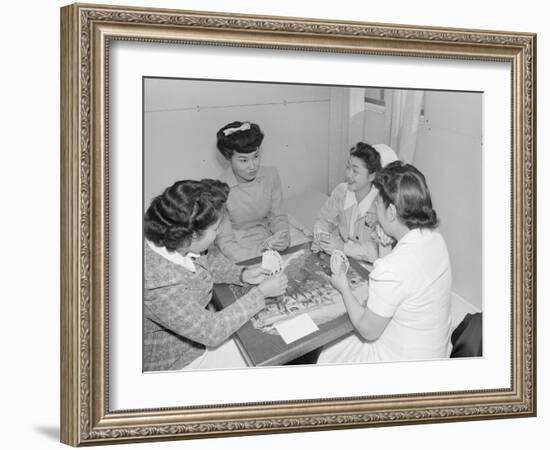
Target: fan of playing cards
{"x":339,"y":262}
{"x":273,"y":262}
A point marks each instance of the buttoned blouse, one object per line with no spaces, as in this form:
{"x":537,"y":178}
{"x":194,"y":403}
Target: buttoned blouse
{"x":256,"y":210}
{"x":347,"y":220}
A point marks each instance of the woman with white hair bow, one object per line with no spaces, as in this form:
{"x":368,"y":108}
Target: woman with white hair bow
{"x":257,"y":217}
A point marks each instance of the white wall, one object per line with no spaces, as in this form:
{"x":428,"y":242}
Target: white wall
{"x":183,"y":116}
{"x":374,"y":123}
{"x":29,"y":184}
{"x":449,"y":154}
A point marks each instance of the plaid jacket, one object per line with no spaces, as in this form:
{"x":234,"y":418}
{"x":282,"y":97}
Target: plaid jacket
{"x":177,"y":327}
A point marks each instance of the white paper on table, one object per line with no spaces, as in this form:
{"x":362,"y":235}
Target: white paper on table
{"x":293,"y":329}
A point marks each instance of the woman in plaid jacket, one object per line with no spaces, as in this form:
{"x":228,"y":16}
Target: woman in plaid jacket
{"x":179,"y":227}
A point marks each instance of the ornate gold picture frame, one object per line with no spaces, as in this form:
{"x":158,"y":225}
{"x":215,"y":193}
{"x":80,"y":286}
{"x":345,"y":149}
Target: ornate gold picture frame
{"x":87,"y":32}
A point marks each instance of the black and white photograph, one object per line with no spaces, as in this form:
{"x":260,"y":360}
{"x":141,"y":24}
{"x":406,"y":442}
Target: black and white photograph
{"x":279,"y":221}
{"x":299,"y":224}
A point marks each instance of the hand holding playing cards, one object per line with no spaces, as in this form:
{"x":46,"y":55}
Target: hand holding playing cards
{"x":381,"y":237}
{"x":279,"y":241}
{"x":340,"y":281}
{"x":339,"y":266}
{"x":272,"y":262}
{"x":329,"y":243}
{"x":366,"y":251}
{"x":316,"y":243}
{"x":254,"y":275}
{"x":275,"y":286}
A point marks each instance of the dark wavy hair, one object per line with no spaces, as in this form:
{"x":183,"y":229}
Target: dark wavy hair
{"x":404,"y":186}
{"x":242,"y":141}
{"x":186,"y":208}
{"x":368,"y":154}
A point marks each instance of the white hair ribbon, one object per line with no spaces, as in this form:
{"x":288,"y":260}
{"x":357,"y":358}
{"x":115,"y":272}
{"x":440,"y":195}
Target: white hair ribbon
{"x":245,"y":126}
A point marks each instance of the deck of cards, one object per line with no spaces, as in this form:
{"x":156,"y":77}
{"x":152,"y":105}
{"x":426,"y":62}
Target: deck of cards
{"x":272,"y":240}
{"x":339,"y":262}
{"x":272,"y":262}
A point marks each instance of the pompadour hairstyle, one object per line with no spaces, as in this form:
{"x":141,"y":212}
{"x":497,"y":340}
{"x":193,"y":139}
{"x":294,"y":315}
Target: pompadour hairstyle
{"x":187,"y":207}
{"x":242,"y":141}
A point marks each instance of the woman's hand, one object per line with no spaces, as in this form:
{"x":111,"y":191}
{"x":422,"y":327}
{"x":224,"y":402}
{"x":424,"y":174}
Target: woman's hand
{"x":329,"y":243}
{"x":315,"y":248}
{"x":273,"y":287}
{"x":340,"y":281}
{"x":380,"y":236}
{"x":279,"y":241}
{"x":254,"y":275}
{"x":367,"y":251}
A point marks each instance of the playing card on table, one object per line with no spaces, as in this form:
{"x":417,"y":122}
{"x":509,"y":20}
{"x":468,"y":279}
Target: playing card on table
{"x":339,"y":262}
{"x":272,"y":261}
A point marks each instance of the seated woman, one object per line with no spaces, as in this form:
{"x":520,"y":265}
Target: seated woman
{"x":408,"y":312}
{"x":347,"y":221}
{"x":257,"y":217}
{"x":180,"y":225}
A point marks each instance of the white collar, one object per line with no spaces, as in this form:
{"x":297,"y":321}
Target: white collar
{"x":416,"y":234}
{"x":175,"y":257}
{"x":364,"y":205}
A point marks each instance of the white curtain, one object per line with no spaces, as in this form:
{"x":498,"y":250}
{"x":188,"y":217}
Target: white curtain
{"x":402,"y":118}
{"x":346,"y":128}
